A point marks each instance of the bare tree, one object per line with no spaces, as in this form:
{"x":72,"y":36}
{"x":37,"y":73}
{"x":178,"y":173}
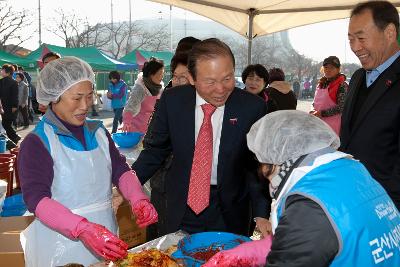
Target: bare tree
{"x":119,"y":37}
{"x":267,"y":51}
{"x":77,"y":32}
{"x":153,"y":39}
{"x":111,"y":39}
{"x":160,"y":40}
{"x":11,"y":26}
{"x":299,"y":65}
{"x":68,"y":27}
{"x":94,"y":35}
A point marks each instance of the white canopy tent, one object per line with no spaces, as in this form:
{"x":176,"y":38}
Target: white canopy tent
{"x":252,"y":18}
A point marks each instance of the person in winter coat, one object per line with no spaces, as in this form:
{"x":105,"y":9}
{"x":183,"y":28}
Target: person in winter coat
{"x":67,"y":166}
{"x":330,"y":94}
{"x":280,"y":95}
{"x":23,"y":92}
{"x":327,"y":209}
{"x":145,"y":92}
{"x":256,"y":79}
{"x":117,"y":92}
{"x":9,"y":100}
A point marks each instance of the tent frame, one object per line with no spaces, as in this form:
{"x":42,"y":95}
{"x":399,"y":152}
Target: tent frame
{"x":252,"y":13}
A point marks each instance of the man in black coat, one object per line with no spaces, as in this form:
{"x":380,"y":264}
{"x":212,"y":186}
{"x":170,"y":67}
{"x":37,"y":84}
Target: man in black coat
{"x":9,"y":100}
{"x":175,"y":129}
{"x":370,"y":128}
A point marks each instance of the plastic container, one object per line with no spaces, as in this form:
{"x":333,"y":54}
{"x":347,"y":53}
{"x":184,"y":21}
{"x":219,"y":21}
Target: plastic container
{"x":126,"y":140}
{"x":13,"y":206}
{"x":206,"y":241}
{"x":3,"y":143}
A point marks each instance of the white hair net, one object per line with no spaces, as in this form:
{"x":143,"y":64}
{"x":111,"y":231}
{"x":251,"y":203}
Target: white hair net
{"x":288,"y":134}
{"x":59,"y":75}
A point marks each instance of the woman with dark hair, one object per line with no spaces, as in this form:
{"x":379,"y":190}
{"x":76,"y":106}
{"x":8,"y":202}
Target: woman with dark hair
{"x":117,"y":92}
{"x":280,"y":95}
{"x":256,"y":78}
{"x":145,"y":92}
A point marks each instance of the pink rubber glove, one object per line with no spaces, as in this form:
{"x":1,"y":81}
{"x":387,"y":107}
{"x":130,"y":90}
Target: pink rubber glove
{"x":58,"y":217}
{"x":132,"y":190}
{"x":249,"y":254}
{"x":127,"y":122}
{"x":101,"y":241}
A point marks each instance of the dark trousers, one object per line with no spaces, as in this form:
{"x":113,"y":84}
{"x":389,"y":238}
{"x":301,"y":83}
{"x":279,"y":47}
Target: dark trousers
{"x":159,"y":201}
{"x":11,"y":133}
{"x":208,"y":220}
{"x":24,"y":112}
{"x":117,"y":118}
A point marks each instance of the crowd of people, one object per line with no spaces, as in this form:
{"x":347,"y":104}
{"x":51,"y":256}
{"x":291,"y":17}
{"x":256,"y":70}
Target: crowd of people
{"x":322,"y":187}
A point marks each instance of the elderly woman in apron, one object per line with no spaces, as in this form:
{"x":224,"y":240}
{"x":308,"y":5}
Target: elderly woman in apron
{"x":330,"y":94}
{"x":326,"y":209}
{"x":67,"y":166}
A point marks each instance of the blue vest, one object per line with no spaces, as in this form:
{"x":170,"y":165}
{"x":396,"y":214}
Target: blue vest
{"x":365,"y":219}
{"x":115,"y":89}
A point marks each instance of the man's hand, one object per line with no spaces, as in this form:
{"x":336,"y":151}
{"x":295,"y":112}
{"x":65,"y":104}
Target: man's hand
{"x":14,"y":110}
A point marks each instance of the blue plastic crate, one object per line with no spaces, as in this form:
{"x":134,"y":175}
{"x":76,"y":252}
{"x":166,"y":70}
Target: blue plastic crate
{"x":14,"y":201}
{"x":13,"y":206}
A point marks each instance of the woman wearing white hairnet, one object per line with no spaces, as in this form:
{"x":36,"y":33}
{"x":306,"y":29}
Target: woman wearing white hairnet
{"x":67,"y":166}
{"x":327,"y":209}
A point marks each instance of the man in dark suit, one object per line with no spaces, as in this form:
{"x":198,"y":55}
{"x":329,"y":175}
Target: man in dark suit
{"x":177,"y":127}
{"x":370,"y":128}
{"x":9,"y":100}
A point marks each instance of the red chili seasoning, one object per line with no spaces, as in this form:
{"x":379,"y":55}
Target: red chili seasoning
{"x":205,"y":255}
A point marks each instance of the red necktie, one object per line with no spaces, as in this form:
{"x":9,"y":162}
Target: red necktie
{"x":200,"y":176}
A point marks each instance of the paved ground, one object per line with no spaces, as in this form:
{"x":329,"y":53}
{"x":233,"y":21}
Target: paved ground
{"x":107,"y":117}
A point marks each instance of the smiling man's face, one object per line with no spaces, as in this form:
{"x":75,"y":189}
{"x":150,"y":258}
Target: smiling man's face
{"x":370,"y":44}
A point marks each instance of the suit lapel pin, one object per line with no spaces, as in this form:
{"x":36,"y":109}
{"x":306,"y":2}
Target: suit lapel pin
{"x":388,"y":83}
{"x":233,"y":121}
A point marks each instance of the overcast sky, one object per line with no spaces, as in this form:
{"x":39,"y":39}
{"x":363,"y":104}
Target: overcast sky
{"x":316,"y":41}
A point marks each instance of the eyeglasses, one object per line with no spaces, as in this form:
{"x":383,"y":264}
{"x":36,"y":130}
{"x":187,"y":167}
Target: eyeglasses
{"x":180,"y":79}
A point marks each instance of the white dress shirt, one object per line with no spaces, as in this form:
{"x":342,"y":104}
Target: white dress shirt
{"x":216,"y":121}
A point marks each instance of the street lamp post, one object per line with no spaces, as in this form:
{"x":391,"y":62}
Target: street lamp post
{"x":130,"y":26}
{"x":40,"y":26}
{"x":112,"y":27}
{"x":170,"y":27}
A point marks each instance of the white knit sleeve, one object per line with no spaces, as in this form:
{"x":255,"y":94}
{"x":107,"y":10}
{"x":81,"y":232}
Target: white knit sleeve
{"x":135,"y":100}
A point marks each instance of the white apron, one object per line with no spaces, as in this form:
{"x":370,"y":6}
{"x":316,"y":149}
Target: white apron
{"x":82,"y":183}
{"x":296,"y":175}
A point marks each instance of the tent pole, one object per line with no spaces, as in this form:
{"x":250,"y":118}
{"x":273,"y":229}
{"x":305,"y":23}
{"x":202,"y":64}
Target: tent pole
{"x":252,"y":14}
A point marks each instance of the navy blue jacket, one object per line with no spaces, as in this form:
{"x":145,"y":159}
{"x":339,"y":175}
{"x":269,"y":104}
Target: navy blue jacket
{"x":174,"y":131}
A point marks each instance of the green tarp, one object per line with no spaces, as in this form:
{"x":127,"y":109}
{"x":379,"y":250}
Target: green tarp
{"x":7,"y":58}
{"x":96,"y":59}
